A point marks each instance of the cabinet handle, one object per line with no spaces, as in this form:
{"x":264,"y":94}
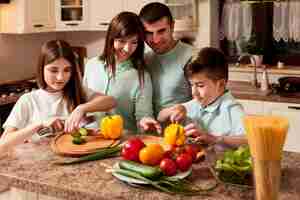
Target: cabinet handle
{"x":104,"y":24}
{"x":294,"y":107}
{"x":72,"y":24}
{"x":38,"y":25}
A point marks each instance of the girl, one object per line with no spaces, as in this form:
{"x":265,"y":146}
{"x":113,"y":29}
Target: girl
{"x":120,"y":72}
{"x":60,"y":96}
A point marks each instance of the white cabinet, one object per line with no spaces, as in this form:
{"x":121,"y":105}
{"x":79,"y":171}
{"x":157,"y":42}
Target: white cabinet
{"x":252,"y":107}
{"x":27,"y":16}
{"x":292,"y":112}
{"x":72,"y":15}
{"x":101,"y":13}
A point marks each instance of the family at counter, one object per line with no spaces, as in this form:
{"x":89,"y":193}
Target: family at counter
{"x":148,"y":87}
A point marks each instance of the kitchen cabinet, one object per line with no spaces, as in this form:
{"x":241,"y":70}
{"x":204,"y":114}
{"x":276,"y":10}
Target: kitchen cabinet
{"x":102,"y":13}
{"x":289,"y":110}
{"x":27,"y":16}
{"x":252,"y":107}
{"x":292,"y":112}
{"x":72,"y":15}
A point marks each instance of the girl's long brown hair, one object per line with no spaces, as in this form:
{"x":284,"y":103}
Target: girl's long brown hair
{"x":73,"y":93}
{"x":123,"y":25}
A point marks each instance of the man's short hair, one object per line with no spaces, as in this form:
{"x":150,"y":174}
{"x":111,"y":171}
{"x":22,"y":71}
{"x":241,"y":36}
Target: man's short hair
{"x":210,"y":61}
{"x":153,"y":12}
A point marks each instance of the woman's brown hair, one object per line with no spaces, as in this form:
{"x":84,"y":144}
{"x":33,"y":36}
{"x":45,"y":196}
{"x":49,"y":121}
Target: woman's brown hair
{"x":123,"y":25}
{"x":52,"y":50}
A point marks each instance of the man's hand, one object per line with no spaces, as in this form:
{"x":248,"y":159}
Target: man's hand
{"x":178,"y":113}
{"x":150,"y":124}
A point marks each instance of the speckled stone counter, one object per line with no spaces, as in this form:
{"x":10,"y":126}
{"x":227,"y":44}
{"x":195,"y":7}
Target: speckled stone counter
{"x":30,"y":167}
{"x":244,"y":90}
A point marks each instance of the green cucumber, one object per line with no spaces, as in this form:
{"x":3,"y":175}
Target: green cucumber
{"x":98,"y":155}
{"x":144,"y":170}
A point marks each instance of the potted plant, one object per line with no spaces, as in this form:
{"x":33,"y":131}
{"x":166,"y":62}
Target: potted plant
{"x":257,"y":53}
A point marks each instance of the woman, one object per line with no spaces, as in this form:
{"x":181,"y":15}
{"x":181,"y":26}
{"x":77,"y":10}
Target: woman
{"x":120,"y":71}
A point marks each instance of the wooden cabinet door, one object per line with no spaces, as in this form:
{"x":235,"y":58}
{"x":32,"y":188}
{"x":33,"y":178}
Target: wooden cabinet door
{"x":252,"y":107}
{"x":40,"y":15}
{"x":72,"y":15}
{"x":292,"y":112}
{"x":101,"y":13}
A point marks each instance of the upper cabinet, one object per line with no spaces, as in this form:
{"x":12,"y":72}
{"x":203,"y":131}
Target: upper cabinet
{"x":27,"y":16}
{"x":72,"y":14}
{"x":101,"y":13}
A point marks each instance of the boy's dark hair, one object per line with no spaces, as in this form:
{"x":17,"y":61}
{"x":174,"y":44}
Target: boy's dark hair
{"x":73,"y":92}
{"x":155,"y":11}
{"x":210,"y":61}
{"x":123,"y":25}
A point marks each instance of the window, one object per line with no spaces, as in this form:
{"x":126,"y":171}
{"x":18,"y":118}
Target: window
{"x":262,"y":39}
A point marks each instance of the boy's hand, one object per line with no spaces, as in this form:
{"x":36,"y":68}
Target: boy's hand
{"x":178,"y":113}
{"x":199,"y":134}
{"x":149,"y":124}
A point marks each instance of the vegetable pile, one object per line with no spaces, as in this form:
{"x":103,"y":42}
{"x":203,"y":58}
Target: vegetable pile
{"x":154,"y":177}
{"x":235,"y":167}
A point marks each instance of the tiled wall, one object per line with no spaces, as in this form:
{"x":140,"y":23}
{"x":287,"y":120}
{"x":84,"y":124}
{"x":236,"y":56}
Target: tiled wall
{"x":19,"y":52}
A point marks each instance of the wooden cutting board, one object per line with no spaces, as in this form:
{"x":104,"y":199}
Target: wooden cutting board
{"x":63,"y":145}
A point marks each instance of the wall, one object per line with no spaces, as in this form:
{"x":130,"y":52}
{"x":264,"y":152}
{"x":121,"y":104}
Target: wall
{"x":19,"y":52}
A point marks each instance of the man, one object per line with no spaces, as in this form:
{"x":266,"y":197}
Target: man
{"x":165,"y":60}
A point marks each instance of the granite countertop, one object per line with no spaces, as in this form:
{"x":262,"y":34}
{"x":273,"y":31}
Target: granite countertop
{"x":286,"y":70}
{"x":30,"y":167}
{"x":244,"y":90}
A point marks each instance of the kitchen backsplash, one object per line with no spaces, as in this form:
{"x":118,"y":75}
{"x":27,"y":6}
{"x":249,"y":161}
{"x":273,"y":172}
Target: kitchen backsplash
{"x":19,"y":52}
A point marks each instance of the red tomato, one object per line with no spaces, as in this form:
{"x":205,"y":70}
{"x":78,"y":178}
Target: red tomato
{"x":168,"y":166}
{"x":131,"y":149}
{"x":184,"y":161}
{"x":168,"y":154}
{"x":192,"y":150}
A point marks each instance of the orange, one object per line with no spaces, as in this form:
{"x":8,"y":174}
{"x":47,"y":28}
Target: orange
{"x":151,"y":154}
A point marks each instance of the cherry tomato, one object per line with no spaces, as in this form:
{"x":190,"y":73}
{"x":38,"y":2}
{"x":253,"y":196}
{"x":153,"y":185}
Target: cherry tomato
{"x":131,"y":149}
{"x":192,"y":150}
{"x":168,"y":154}
{"x":168,"y":166}
{"x":184,"y":161}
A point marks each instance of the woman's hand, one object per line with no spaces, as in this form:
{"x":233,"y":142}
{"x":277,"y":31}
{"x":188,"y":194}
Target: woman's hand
{"x":150,"y":124}
{"x":199,"y":134}
{"x":73,"y":121}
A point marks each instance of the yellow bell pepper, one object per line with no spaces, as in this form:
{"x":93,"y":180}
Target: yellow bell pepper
{"x":112,"y":126}
{"x":174,"y":135}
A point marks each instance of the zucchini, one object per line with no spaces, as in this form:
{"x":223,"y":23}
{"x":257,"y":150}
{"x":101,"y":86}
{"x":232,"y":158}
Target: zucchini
{"x":144,"y":170}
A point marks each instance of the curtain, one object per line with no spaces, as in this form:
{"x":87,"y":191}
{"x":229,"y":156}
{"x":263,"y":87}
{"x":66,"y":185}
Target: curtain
{"x":236,"y":20}
{"x":286,"y":20}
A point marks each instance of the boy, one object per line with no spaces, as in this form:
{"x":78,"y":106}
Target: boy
{"x":216,"y":116}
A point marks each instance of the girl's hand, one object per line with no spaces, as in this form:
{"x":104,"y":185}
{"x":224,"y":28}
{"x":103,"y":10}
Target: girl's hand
{"x":150,"y":124}
{"x":56,"y":123}
{"x":73,"y":121}
{"x":178,"y":113}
